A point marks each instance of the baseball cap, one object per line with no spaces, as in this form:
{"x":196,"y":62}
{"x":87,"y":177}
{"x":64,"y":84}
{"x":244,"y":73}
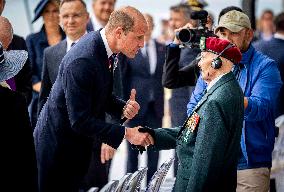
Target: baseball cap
{"x":234,"y":21}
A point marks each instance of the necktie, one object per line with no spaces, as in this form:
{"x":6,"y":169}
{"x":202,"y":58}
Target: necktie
{"x":72,"y":44}
{"x":111,"y":61}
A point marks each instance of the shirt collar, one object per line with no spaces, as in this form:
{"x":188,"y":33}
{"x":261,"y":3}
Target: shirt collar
{"x":150,"y":42}
{"x":96,"y":24}
{"x":279,"y":36}
{"x":108,"y":50}
{"x":214,"y":81}
{"x":69,"y":41}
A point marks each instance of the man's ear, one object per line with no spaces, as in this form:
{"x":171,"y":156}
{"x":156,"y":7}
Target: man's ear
{"x":118,"y":33}
{"x":250,"y":34}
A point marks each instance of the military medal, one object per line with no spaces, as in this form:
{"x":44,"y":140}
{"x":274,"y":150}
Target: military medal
{"x":192,"y":122}
{"x":191,"y":125}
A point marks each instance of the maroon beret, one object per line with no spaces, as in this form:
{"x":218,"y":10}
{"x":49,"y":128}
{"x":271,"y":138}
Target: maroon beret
{"x":216,"y":46}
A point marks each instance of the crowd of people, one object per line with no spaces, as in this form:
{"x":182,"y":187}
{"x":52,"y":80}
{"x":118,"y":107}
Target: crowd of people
{"x":72,"y":92}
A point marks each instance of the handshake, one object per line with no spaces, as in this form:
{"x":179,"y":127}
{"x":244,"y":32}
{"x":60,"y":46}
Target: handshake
{"x":140,"y":137}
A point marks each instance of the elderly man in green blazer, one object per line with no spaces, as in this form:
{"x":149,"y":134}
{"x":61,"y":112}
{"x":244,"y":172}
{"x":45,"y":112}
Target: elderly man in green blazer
{"x":208,"y":142}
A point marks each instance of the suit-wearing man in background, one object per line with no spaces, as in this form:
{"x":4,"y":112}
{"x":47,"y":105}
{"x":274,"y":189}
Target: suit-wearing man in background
{"x":74,"y":114}
{"x":100,"y":15}
{"x":179,"y":16}
{"x":208,"y":143}
{"x":22,"y":81}
{"x":144,"y":74}
{"x":73,"y":18}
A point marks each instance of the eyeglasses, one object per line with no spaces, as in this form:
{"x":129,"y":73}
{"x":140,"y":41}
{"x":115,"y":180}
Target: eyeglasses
{"x":73,"y":16}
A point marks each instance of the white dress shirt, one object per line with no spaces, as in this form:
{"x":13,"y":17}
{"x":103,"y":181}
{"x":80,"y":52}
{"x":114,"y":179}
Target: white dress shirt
{"x":214,"y":81}
{"x":103,"y":34}
{"x":69,"y":42}
{"x":152,"y":54}
{"x":96,"y":24}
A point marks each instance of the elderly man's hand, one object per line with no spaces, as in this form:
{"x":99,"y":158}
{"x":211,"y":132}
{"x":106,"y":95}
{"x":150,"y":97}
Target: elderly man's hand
{"x":107,"y":153}
{"x":132,"y":107}
{"x":138,"y":138}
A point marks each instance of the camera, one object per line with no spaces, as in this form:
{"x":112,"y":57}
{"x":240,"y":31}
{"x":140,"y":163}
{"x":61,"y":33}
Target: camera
{"x":191,"y":37}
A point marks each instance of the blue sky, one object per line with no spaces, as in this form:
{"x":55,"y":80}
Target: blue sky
{"x":15,"y":10}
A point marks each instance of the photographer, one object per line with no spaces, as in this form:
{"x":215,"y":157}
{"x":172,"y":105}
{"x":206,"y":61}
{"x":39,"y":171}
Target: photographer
{"x":177,"y":58}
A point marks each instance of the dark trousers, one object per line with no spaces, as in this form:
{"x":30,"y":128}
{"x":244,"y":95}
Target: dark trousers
{"x":151,"y":120}
{"x":97,"y":175}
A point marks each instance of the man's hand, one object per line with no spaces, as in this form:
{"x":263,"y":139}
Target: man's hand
{"x":107,"y":153}
{"x":137,"y":138}
{"x":132,"y":107}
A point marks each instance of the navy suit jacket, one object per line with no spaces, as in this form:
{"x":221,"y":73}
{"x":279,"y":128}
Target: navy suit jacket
{"x":52,"y":58}
{"x":74,"y":115}
{"x":90,"y":26}
{"x":36,"y":43}
{"x":140,"y":78}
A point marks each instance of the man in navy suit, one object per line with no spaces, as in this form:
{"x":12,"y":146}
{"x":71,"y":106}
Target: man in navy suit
{"x":74,"y":18}
{"x":101,"y":12}
{"x":74,"y":114}
{"x":144,"y":74}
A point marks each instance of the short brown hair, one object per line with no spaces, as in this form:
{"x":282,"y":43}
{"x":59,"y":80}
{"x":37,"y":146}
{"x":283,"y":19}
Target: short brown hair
{"x":124,"y":17}
{"x":65,"y":1}
{"x":96,"y":0}
{"x":183,"y":8}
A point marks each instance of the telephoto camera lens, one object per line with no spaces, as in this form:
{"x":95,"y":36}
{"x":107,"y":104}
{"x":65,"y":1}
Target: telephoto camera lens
{"x":185,"y":35}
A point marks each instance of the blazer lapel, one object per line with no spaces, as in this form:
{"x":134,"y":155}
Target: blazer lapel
{"x":62,"y":48}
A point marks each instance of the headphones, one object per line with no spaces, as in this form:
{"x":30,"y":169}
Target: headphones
{"x":217,"y":62}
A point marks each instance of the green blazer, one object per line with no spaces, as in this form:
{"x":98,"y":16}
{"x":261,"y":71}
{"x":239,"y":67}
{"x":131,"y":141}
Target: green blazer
{"x":208,"y":143}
